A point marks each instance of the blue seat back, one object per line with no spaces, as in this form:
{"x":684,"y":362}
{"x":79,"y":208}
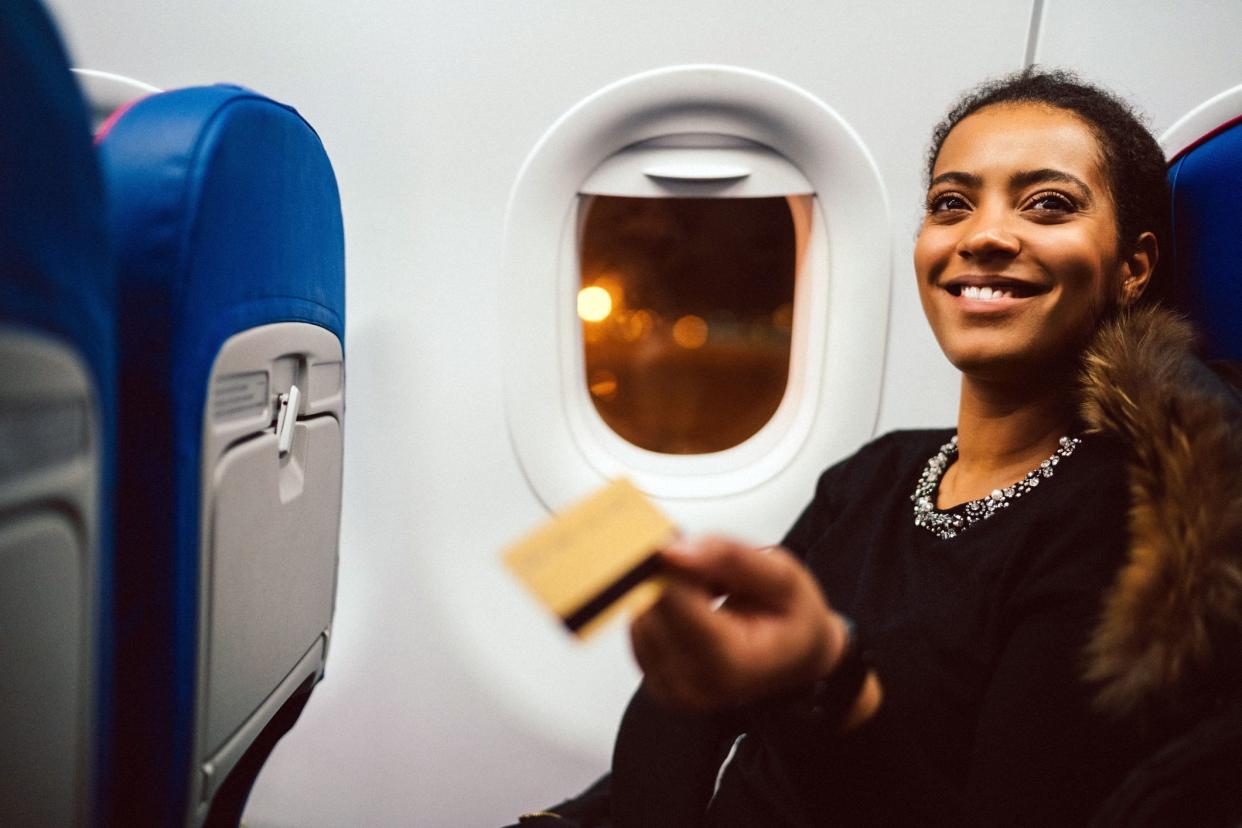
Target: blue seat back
{"x":57,"y":418}
{"x":226,"y":219}
{"x":1206,"y":180}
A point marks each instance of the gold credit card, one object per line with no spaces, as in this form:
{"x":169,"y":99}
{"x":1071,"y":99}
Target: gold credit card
{"x":596,"y":559}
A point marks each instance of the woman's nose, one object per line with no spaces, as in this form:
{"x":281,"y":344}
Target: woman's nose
{"x":988,"y":237}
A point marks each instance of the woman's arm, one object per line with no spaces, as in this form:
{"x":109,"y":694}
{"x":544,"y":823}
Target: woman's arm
{"x":1041,"y":756}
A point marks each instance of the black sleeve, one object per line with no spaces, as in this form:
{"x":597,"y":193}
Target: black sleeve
{"x":665,"y":763}
{"x":664,"y":770}
{"x":871,"y":776}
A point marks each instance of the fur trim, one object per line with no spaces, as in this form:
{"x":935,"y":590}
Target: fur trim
{"x":1171,"y":628}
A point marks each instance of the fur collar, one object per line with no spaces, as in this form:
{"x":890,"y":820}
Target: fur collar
{"x":1169,"y":640}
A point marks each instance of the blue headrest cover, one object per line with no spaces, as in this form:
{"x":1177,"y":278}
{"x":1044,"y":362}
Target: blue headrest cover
{"x":223,"y":202}
{"x":1207,"y":238}
{"x":225,"y":215}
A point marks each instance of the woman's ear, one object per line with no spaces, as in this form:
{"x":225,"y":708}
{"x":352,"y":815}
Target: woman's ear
{"x":1137,"y":268}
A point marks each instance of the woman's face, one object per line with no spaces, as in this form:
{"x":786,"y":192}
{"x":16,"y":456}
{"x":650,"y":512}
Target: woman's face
{"x":1017,"y":258}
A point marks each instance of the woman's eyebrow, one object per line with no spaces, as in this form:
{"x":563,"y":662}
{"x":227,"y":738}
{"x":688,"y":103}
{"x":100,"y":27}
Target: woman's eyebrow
{"x":963,"y":179}
{"x":1025,"y":178}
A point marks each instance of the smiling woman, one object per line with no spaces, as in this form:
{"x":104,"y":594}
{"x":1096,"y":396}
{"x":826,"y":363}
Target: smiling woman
{"x":992,"y":624}
{"x":1018,"y":262}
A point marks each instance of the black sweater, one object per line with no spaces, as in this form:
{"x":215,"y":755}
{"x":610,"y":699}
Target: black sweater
{"x":977,"y":641}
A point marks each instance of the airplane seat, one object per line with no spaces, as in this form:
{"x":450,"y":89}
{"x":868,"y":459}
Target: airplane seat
{"x":1206,"y":180}
{"x":57,"y":410}
{"x":1193,"y":779}
{"x":226,"y":218}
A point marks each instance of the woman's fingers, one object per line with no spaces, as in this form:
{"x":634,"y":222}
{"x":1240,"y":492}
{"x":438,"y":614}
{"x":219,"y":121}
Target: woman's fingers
{"x":765,"y":576}
{"x":701,"y":635}
{"x":774,"y":632}
{"x":651,"y":640}
{"x":669,"y":649}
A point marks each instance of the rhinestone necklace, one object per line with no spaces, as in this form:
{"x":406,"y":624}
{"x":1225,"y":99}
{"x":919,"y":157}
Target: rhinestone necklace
{"x":950,"y":523}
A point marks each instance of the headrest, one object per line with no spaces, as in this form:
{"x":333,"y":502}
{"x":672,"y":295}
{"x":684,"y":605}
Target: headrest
{"x":55,"y":271}
{"x":224,"y":202}
{"x":1206,"y":180}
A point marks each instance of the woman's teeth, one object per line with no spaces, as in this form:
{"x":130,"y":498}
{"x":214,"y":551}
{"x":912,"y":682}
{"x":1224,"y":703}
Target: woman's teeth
{"x":986,"y":293}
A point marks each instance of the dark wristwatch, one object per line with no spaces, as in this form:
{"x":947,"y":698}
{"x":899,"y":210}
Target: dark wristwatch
{"x":834,"y":695}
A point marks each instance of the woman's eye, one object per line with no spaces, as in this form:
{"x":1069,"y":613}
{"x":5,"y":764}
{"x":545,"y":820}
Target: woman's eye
{"x":1051,"y":203}
{"x":946,"y":203}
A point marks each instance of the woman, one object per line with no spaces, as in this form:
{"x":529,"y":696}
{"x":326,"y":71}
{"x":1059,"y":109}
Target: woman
{"x":915,"y":652}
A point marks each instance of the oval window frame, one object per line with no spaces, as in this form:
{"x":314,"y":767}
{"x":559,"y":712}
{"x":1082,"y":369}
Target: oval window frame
{"x":841,"y":302}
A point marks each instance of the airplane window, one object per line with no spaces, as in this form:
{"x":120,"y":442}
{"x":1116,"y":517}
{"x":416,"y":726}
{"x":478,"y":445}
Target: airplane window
{"x":696,"y":270}
{"x":686,"y":306}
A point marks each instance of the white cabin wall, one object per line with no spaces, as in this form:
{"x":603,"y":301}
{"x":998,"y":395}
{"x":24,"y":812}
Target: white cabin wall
{"x":1166,"y":57}
{"x":427,"y":112}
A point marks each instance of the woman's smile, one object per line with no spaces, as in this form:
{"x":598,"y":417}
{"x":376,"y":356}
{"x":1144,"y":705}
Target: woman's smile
{"x":991,"y":293}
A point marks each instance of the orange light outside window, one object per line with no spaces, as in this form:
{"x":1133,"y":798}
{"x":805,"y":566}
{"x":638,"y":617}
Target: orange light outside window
{"x":686,"y":306}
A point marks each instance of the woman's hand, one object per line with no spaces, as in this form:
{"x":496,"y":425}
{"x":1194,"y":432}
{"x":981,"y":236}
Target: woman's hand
{"x":774,"y":632}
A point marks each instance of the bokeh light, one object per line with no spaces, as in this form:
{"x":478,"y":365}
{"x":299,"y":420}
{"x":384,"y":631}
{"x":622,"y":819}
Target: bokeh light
{"x":634,"y":326}
{"x":594,"y":304}
{"x":603,"y":384}
{"x":690,"y":332}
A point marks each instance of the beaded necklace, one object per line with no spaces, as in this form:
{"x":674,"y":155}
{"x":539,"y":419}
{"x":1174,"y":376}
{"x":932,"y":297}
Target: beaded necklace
{"x":949,"y":524}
